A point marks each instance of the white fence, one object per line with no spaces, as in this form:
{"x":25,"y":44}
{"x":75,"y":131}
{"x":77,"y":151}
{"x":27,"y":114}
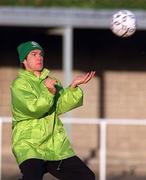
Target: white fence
{"x":103,"y":123}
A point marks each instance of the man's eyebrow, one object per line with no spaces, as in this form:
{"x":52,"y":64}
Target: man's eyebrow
{"x":35,"y":51}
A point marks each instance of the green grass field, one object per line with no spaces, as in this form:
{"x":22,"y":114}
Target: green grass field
{"x":95,"y":4}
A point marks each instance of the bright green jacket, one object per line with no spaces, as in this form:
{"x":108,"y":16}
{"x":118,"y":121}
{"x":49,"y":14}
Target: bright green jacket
{"x":37,"y":130}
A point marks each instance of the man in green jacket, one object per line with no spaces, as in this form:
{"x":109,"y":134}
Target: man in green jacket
{"x":39,"y":140}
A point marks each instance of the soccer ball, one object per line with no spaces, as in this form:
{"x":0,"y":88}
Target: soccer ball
{"x":123,"y":23}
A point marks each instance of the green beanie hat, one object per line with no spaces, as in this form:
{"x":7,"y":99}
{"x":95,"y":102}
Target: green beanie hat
{"x":25,"y":48}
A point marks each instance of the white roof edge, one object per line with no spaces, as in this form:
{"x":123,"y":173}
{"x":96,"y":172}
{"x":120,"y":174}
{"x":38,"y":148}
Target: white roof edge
{"x":60,"y":17}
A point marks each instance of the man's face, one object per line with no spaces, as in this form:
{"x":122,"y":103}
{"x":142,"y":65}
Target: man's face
{"x":34,"y":61}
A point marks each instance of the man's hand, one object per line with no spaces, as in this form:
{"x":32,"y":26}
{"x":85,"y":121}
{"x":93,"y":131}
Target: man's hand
{"x":50,"y":84}
{"x":83,"y":79}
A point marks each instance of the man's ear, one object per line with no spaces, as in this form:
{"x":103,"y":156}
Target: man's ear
{"x":23,"y":64}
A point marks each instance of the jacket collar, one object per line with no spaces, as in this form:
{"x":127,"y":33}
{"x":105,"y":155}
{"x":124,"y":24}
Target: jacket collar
{"x":44,"y":74}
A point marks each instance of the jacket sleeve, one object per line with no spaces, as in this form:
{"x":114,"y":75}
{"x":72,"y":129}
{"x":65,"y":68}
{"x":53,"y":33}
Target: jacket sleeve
{"x":69,"y":99}
{"x":27,"y":104}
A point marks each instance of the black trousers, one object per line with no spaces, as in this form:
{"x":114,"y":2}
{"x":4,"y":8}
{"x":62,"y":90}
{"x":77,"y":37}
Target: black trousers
{"x":68,"y":169}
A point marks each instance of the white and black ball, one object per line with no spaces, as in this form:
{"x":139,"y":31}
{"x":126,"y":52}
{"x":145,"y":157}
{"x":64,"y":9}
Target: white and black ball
{"x":123,"y":23}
